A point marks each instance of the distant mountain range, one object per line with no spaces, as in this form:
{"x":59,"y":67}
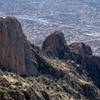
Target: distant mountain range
{"x":79,"y":19}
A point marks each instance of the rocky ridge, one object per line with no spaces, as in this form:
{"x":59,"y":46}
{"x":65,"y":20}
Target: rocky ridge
{"x":78,"y":52}
{"x":55,"y":72}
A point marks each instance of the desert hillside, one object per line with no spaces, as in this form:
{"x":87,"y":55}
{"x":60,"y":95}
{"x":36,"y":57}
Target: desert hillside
{"x":56,"y":71}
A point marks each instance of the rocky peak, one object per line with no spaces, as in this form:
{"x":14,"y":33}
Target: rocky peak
{"x":54,"y":44}
{"x":15,"y":50}
{"x":81,"y":48}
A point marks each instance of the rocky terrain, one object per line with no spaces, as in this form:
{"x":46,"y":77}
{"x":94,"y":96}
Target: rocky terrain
{"x":15,"y":50}
{"x":57,"y":71}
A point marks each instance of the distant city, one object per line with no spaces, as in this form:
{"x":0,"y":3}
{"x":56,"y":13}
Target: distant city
{"x":78,"y":19}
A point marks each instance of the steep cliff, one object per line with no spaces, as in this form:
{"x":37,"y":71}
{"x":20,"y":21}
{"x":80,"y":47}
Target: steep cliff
{"x":15,"y":50}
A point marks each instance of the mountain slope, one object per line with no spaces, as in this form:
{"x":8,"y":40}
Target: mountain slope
{"x":51,"y":76}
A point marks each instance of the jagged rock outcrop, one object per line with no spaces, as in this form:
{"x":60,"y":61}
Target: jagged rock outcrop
{"x":15,"y":50}
{"x":18,"y":55}
{"x":81,"y":48}
{"x":55,"y":45}
{"x":74,"y":75}
{"x":80,"y":53}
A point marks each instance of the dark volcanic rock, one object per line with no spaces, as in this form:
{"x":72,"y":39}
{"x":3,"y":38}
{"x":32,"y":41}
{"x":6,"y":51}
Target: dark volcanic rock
{"x":15,"y":50}
{"x":81,"y":48}
{"x":55,"y":44}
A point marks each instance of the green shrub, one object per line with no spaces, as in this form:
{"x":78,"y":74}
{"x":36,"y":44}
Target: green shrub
{"x":18,"y":83}
{"x":3,"y":89}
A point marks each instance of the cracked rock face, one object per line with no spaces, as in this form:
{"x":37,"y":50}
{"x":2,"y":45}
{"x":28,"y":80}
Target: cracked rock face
{"x":15,"y":50}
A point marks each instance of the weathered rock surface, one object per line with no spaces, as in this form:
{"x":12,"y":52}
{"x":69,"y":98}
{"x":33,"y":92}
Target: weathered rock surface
{"x":81,"y":48}
{"x":15,"y":50}
{"x":55,"y":45}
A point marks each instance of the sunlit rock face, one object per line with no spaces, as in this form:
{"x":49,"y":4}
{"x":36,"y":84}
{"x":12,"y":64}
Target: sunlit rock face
{"x":15,"y":50}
